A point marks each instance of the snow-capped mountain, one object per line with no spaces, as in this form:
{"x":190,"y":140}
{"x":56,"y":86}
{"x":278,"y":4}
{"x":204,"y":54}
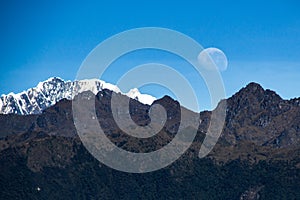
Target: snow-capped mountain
{"x":49,"y":92}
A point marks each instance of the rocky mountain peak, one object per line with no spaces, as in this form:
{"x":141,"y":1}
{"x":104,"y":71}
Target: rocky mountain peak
{"x":252,"y":86}
{"x":261,"y":116}
{"x":254,"y":95}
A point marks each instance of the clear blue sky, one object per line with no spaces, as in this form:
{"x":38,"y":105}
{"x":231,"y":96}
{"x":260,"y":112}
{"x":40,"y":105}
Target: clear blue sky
{"x":42,"y":39}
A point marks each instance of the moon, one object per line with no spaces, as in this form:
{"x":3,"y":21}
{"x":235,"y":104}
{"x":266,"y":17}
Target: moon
{"x":212,"y":58}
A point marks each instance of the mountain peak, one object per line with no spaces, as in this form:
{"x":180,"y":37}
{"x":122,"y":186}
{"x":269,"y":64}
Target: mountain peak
{"x":54,"y":78}
{"x":253,"y":87}
{"x":143,"y":98}
{"x":257,"y":92}
{"x":253,"y":99}
{"x":166,"y":99}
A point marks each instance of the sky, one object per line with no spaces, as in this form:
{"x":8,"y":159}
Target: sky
{"x":261,"y":39}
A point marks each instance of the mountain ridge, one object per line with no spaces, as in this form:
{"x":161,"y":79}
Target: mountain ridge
{"x":253,"y":114}
{"x":47,"y":93}
{"x":256,"y":156}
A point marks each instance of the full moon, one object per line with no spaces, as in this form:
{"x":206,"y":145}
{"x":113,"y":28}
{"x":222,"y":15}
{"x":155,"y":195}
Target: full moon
{"x":212,"y":57}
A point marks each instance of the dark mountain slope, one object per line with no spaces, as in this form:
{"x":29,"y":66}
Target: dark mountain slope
{"x":41,"y":156}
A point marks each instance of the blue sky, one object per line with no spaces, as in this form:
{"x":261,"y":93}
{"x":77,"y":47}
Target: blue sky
{"x":261,"y":39}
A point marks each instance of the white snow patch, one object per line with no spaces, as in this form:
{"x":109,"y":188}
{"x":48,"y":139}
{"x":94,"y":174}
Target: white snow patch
{"x":143,"y":98}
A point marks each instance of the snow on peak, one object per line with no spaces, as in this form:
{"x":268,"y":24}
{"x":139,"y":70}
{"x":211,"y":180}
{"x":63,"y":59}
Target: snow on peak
{"x":95,"y":85}
{"x":54,"y":89}
{"x":143,"y":98}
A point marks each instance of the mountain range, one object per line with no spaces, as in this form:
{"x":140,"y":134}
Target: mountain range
{"x":54,"y":89}
{"x":256,"y":157}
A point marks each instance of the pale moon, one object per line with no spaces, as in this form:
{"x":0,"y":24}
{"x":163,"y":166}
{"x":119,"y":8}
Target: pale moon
{"x":212,"y":58}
